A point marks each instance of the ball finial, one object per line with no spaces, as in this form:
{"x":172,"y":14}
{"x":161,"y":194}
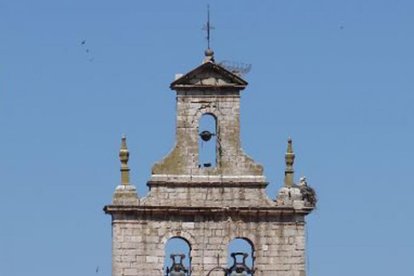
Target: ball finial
{"x":209,"y":55}
{"x":208,"y":52}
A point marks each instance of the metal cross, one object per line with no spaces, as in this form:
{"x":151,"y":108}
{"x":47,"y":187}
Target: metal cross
{"x":207,"y":27}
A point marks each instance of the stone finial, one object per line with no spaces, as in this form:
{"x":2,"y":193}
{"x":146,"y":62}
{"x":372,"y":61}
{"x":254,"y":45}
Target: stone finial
{"x":124,"y":157}
{"x":208,"y":56}
{"x":125,"y":193}
{"x":289,"y":159}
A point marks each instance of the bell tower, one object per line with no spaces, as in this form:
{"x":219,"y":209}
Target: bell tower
{"x":208,"y":204}
{"x":208,"y":90}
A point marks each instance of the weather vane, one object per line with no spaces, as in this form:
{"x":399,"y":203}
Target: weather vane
{"x":207,"y":27}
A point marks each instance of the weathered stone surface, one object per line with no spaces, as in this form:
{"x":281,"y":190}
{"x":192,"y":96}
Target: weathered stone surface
{"x":125,"y":194}
{"x":208,"y":207}
{"x":279,"y":246}
{"x":183,"y":159}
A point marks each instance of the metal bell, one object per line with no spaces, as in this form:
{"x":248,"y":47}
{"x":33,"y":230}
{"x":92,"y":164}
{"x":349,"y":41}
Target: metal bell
{"x":206,"y":135}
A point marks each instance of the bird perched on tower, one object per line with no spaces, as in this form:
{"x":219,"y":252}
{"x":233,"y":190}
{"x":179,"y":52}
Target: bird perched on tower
{"x":308,"y":193}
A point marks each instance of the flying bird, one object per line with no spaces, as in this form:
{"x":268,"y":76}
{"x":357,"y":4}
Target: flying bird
{"x":87,"y":50}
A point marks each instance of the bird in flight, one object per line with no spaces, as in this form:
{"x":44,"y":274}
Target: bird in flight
{"x":87,"y":50}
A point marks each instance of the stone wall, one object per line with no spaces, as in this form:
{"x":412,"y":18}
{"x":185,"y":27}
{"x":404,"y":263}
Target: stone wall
{"x":183,"y":159}
{"x":138,"y":244}
{"x":208,"y":195}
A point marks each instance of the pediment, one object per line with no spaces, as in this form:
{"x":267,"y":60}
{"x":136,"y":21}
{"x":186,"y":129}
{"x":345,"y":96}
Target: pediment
{"x":209,"y":75}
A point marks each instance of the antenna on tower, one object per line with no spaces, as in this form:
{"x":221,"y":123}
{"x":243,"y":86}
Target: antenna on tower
{"x":207,"y":27}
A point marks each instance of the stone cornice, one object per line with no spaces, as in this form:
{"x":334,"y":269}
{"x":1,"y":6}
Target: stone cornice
{"x":280,"y":213}
{"x":208,"y":184}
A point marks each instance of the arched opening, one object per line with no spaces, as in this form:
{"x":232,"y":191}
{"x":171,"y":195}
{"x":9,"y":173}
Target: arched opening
{"x":207,"y":141}
{"x":177,"y":260}
{"x":240,"y":257}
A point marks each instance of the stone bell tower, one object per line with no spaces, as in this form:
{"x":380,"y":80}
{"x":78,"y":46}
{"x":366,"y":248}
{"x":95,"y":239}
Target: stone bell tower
{"x":209,"y":204}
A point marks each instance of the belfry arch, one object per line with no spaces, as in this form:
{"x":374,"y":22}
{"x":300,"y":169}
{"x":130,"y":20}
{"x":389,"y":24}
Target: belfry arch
{"x":177,"y":256}
{"x":241,"y":252}
{"x":208,"y":147}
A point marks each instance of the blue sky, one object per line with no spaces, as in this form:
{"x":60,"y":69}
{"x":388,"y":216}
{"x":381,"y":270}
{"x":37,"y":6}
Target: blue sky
{"x":336,"y":76}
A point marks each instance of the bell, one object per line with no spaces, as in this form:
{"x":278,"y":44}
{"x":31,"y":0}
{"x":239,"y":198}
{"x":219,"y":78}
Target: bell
{"x":242,"y":273}
{"x":206,"y":135}
{"x":177,"y":273}
{"x":177,"y":268}
{"x":239,"y":268}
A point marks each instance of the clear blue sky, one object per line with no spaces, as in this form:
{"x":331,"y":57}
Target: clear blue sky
{"x":337,"y":76}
